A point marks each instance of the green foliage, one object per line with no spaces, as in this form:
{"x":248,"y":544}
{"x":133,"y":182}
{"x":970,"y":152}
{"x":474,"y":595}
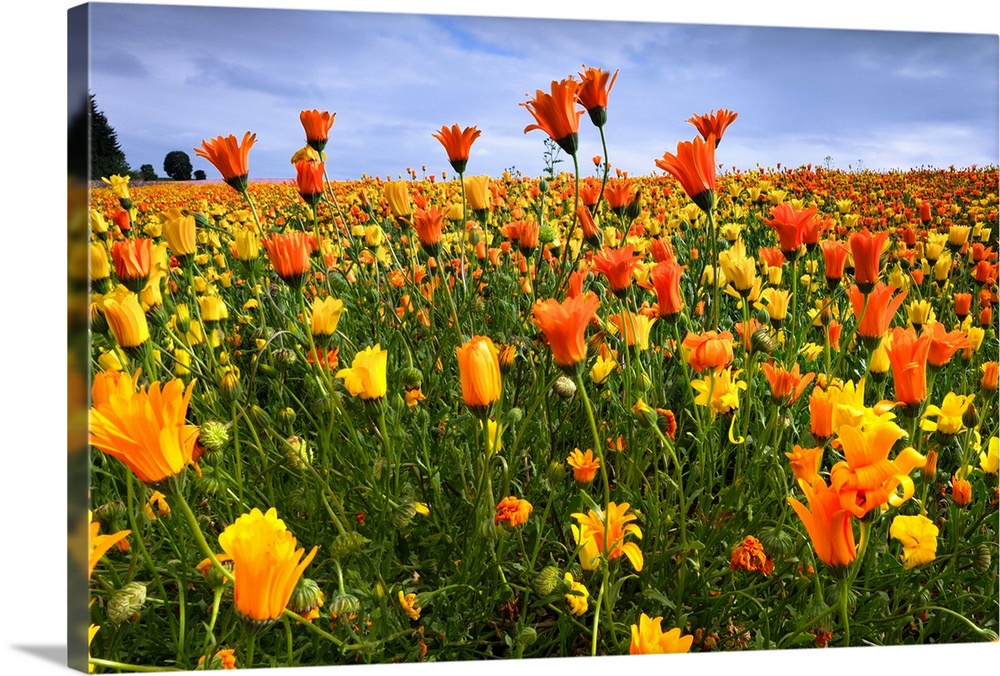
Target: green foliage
{"x":106,"y":156}
{"x":199,"y":174}
{"x":177,"y":164}
{"x":147,"y":173}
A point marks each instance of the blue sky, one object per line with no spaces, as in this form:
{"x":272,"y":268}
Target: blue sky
{"x":169,"y":76}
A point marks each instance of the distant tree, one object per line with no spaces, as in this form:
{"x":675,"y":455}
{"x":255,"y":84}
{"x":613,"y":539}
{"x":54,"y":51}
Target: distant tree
{"x":199,"y":174}
{"x":147,"y":173}
{"x":106,"y":156}
{"x":177,"y":164}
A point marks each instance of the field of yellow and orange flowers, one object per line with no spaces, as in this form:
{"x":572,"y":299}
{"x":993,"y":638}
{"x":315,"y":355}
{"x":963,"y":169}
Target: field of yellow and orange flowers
{"x":452,"y":418}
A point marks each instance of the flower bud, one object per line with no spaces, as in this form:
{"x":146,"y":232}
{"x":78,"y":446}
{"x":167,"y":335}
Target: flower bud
{"x":565,"y":387}
{"x":344,"y":607}
{"x":126,"y":603}
{"x":306,"y":596}
{"x":297,"y":452}
{"x":346,"y":544}
{"x":547,"y":581}
{"x":411,"y":377}
{"x":929,"y":471}
{"x":213,"y":435}
{"x":286,"y":416}
{"x":556,"y":473}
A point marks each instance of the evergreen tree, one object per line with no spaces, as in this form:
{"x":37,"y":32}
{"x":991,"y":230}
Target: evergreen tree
{"x":106,"y":156}
{"x":147,"y":173}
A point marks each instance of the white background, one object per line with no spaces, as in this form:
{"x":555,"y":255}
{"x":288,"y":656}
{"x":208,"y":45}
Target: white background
{"x":32,"y":379}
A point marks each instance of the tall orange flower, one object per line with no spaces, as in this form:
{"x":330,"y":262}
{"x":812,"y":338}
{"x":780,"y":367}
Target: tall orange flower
{"x":309,"y":179}
{"x":714,"y":124}
{"x":230,"y":157}
{"x":834,"y":258}
{"x":786,"y":386}
{"x":944,"y":344}
{"x":827,"y":522}
{"x":132,"y":258}
{"x":867,"y":252}
{"x":145,"y":429}
{"x":617,"y":265}
{"x":908,"y":360}
{"x":479,"y":371}
{"x":289,"y":254}
{"x":512,"y":511}
{"x":429,"y":224}
{"x":458,"y":144}
{"x":666,"y":279}
{"x":266,"y":564}
{"x":694,"y":167}
{"x":595,"y":86}
{"x":585,"y":465}
{"x":564,"y":325}
{"x":317,"y":126}
{"x":875,"y":315}
{"x":805,"y":462}
{"x":556,"y":114}
{"x":791,"y":225}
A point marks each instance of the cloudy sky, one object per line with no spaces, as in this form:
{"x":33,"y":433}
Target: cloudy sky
{"x":169,"y":76}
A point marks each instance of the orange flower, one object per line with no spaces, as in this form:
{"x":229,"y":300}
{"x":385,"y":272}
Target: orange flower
{"x":317,"y":126}
{"x":513,"y":511}
{"x":749,"y":555}
{"x":867,"y":252}
{"x":791,"y":225}
{"x":805,"y":462}
{"x":961,"y":491}
{"x":666,"y":279}
{"x":98,"y":544}
{"x":309,"y":177}
{"x":479,"y":370}
{"x":593,"y":94}
{"x":714,"y":123}
{"x":963,"y":305}
{"x":649,"y":639}
{"x":458,"y":144}
{"x":591,"y":233}
{"x":822,"y":404}
{"x":289,"y":254}
{"x":617,"y":265}
{"x":834,"y":257}
{"x":230,"y":157}
{"x":145,"y":429}
{"x":908,"y":360}
{"x":708,"y":350}
{"x":694,"y":167}
{"x":786,"y":386}
{"x":132,"y":259}
{"x":991,"y":376}
{"x":564,"y":325}
{"x":866,"y":478}
{"x":874,"y":319}
{"x":429,"y":223}
{"x":827,"y":522}
{"x":620,"y":193}
{"x":556,"y":114}
{"x":584,"y":465}
{"x":944,"y":344}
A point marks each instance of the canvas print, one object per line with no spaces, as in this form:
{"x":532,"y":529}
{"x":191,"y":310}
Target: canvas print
{"x":423,"y":338}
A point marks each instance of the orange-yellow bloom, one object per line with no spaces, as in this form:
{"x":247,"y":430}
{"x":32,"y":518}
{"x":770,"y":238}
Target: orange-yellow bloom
{"x":556,"y":113}
{"x":613,"y":526}
{"x":827,"y":522}
{"x":584,"y":465}
{"x":100,"y":544}
{"x":309,"y":180}
{"x":666,"y":279}
{"x":918,"y":535}
{"x":944,"y":343}
{"x":874,"y":318}
{"x":786,"y":386}
{"x":593,"y":95}
{"x":513,"y":511}
{"x":866,"y":250}
{"x":145,"y":429}
{"x":367,"y":376}
{"x":694,"y":167}
{"x":634,"y":328}
{"x":805,"y":462}
{"x":132,"y":258}
{"x":289,"y":254}
{"x":266,"y":564}
{"x":230,"y":157}
{"x":749,"y":555}
{"x":709,"y":350}
{"x":791,"y":225}
{"x":479,"y":370}
{"x":564,"y":325}
{"x":458,"y":144}
{"x":649,"y":639}
{"x":617,"y":265}
{"x":908,"y":359}
{"x":429,"y":223}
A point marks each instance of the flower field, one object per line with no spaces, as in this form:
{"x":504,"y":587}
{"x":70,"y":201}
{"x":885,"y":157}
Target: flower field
{"x":459,"y":417}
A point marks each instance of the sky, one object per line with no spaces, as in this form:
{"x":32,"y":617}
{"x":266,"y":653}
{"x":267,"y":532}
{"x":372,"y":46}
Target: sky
{"x":36,"y":80}
{"x":168,"y":77}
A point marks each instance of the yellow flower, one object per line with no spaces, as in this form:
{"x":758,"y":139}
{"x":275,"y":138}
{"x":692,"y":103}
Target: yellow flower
{"x":601,"y":370}
{"x":739,"y":269}
{"x":100,"y":544}
{"x":366,"y":377}
{"x":494,"y":435}
{"x":126,"y":318}
{"x":179,"y":231}
{"x":920,"y":312}
{"x":719,"y":391}
{"x":576,"y":599}
{"x":397,"y":195}
{"x":146,"y":429}
{"x":989,"y":461}
{"x":100,"y":266}
{"x":326,"y":315}
{"x":617,"y":524}
{"x":409,"y":604}
{"x":880,"y":364}
{"x":246,"y":244}
{"x":479,"y":372}
{"x":649,"y":639}
{"x":918,"y":534}
{"x":157,"y":501}
{"x":266,"y":563}
{"x":776,"y":301}
{"x":477,"y":192}
{"x":91,"y":633}
{"x":949,"y":415}
{"x":634,"y":328}
{"x":213,"y":308}
{"x":119,"y":186}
